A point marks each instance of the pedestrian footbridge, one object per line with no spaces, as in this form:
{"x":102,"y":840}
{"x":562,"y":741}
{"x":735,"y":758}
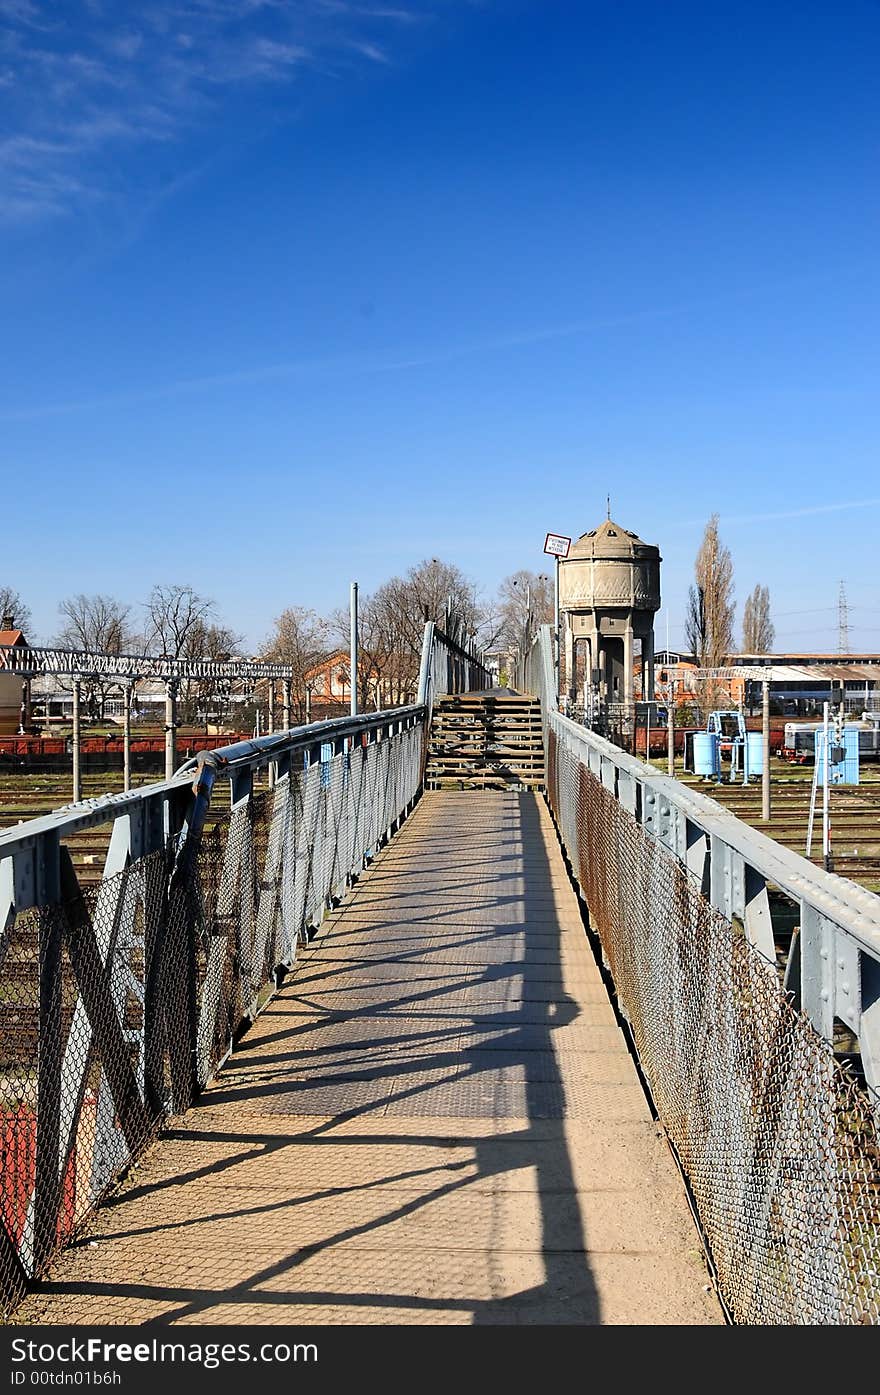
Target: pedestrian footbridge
{"x":338,"y":1048}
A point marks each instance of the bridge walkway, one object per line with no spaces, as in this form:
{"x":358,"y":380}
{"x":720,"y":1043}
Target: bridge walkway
{"x":435,"y":1121}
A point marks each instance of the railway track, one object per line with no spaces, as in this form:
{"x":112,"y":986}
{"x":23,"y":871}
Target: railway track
{"x":854,"y":810}
{"x":25,"y":797}
{"x":855,"y":814}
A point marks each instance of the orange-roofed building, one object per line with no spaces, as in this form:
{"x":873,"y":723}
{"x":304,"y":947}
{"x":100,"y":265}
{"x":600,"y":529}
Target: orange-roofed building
{"x":13,"y":699}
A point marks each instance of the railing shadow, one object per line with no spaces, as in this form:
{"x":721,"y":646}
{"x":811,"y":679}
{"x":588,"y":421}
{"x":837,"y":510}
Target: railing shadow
{"x":477,"y":1044}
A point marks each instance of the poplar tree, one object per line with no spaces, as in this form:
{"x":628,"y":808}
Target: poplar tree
{"x":758,"y":629}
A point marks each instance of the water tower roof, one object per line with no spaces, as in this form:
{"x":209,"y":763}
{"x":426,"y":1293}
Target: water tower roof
{"x":610,"y":540}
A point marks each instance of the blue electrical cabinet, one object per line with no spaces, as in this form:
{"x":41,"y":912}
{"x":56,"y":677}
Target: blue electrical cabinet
{"x":844,"y":765}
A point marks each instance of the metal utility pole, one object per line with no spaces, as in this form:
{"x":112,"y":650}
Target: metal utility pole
{"x":354,"y":649}
{"x":670,"y":730}
{"x":286,"y":690}
{"x":826,"y":849}
{"x":170,"y":727}
{"x":558,"y":547}
{"x":270,"y":725}
{"x":765,"y":750}
{"x":75,"y":744}
{"x":127,"y":690}
{"x":527,"y":635}
{"x":556,"y":635}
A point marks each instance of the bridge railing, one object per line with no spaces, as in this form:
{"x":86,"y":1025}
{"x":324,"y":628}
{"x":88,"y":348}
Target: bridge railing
{"x":448,"y":667}
{"x":735,"y":1031}
{"x":119,"y":1000}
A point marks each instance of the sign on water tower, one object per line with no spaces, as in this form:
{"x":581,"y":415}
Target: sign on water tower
{"x":556,"y":545}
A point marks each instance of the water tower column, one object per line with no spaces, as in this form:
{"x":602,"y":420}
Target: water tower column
{"x":648,"y":666}
{"x":570,"y":672}
{"x":628,"y":663}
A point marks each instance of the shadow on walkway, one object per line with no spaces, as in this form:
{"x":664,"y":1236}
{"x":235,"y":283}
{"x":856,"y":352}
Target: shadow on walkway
{"x":408,"y":1132}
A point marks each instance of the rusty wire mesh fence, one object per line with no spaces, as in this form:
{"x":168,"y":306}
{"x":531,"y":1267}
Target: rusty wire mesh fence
{"x":118,"y":1001}
{"x":778,"y":1141}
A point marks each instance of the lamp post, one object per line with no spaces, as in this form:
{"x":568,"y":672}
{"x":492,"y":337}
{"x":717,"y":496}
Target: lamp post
{"x":557,"y":546}
{"x":353,"y":675}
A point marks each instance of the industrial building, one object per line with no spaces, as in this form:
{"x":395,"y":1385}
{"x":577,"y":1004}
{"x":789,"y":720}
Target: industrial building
{"x":799,"y":682}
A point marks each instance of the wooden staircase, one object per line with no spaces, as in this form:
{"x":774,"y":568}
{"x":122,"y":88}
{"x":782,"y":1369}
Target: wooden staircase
{"x":485,"y":741}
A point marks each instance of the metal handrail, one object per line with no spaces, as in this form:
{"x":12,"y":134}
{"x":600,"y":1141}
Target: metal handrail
{"x":833,"y":969}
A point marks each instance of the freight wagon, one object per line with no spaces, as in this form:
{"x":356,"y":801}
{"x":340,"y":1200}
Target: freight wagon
{"x":52,"y":754}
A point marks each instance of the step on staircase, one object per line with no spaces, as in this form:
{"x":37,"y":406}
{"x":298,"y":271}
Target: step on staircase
{"x":488,"y":740}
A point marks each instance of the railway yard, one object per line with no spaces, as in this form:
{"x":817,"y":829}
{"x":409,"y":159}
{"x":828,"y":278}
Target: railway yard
{"x":24,"y":797}
{"x":854,"y":820}
{"x":855,"y":812}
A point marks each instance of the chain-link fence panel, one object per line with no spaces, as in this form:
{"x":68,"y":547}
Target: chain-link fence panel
{"x":79,"y":1090}
{"x":119,"y":1001}
{"x":778,"y":1140}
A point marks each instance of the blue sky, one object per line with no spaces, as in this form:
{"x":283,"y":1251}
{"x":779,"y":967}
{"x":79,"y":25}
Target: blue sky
{"x":296,"y":292}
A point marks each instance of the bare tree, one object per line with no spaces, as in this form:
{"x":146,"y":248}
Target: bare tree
{"x":175,"y":615}
{"x":209,"y":641}
{"x":713,"y":572}
{"x":100,"y":624}
{"x":13,"y":608}
{"x":301,"y":639}
{"x":695,"y":624}
{"x":758,"y":629}
{"x":525,"y":601}
{"x":431,"y":590}
{"x":181,"y":624}
{"x":708,"y":623}
{"x":392,"y":624}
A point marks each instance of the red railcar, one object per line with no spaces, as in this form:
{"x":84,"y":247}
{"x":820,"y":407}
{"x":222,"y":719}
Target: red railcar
{"x":100,"y":745}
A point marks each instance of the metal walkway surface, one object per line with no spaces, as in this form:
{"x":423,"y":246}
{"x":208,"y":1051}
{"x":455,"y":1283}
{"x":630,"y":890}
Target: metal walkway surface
{"x":435,"y":1121}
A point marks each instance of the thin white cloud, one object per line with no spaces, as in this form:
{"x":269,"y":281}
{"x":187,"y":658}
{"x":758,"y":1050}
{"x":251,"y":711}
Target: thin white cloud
{"x":355,"y":366}
{"x":797,"y":513}
{"x":24,"y":12}
{"x":808,"y":511}
{"x":79,"y":81}
{"x":371,"y":51}
{"x":123,"y":45}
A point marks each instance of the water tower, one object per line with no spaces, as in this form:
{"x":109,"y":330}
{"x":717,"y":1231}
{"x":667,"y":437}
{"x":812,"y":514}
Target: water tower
{"x":609,"y":591}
